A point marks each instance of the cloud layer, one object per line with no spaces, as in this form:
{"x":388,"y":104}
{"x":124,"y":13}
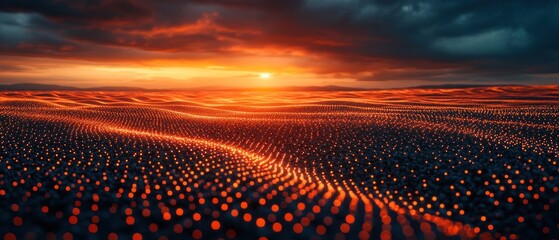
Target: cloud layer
{"x":433,"y":40}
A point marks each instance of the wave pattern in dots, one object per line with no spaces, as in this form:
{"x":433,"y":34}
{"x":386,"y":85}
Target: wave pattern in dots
{"x":396,"y":164}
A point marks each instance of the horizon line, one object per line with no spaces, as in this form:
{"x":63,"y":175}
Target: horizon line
{"x":57,"y":87}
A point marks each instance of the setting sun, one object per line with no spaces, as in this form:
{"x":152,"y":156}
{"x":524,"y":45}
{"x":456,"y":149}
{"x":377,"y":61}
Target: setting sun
{"x":265,"y":75}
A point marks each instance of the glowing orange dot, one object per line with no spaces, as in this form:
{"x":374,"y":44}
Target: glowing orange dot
{"x":276,"y":227}
{"x":386,"y":219}
{"x":92,"y":228}
{"x":260,"y":222}
{"x":73,"y":220}
{"x":224,"y":207}
{"x":247,"y":217}
{"x":315,"y":209}
{"x":113,"y":236}
{"x":320,"y":230}
{"x":298,"y":228}
{"x":130,"y":220}
{"x":137,"y":236}
{"x":166,"y":216}
{"x":288,"y":217}
{"x":179,"y":212}
{"x":385,"y":235}
{"x":337,"y":203}
{"x":350,"y":219}
{"x":344,"y":228}
{"x":216,"y":225}
{"x":146,"y":212}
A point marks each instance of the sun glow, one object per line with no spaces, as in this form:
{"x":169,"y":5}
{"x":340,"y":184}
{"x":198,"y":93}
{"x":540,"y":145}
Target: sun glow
{"x":265,"y":75}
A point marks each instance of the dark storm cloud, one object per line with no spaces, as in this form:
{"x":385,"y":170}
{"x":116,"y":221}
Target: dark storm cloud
{"x":88,"y":11}
{"x":377,"y":40}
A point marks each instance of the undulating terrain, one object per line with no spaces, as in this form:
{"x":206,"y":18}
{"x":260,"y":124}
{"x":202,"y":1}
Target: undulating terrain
{"x":417,"y":164}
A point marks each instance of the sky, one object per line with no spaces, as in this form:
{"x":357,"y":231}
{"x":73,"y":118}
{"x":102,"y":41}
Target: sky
{"x":268,"y":43}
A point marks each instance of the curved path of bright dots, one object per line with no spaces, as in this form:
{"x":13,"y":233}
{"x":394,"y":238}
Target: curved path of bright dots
{"x":307,"y":185}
